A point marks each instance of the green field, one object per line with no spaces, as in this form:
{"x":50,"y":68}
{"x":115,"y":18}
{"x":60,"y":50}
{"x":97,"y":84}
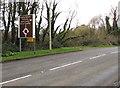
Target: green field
{"x":22,"y":55}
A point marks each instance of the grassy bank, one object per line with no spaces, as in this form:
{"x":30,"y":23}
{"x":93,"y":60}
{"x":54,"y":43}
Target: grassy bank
{"x":100,"y":46}
{"x":22,"y":55}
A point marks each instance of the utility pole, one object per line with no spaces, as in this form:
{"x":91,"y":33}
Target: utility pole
{"x":50,"y":38}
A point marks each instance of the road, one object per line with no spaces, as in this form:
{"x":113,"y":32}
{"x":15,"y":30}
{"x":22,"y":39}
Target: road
{"x":93,"y":67}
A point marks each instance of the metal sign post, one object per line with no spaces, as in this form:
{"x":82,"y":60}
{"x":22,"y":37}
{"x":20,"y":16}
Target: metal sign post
{"x":20,"y":44}
{"x":34,"y":47}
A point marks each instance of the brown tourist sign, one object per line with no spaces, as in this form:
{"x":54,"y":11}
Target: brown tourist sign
{"x":26,"y":26}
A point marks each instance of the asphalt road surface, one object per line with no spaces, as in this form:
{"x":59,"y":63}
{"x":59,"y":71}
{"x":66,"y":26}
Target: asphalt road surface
{"x":93,"y":67}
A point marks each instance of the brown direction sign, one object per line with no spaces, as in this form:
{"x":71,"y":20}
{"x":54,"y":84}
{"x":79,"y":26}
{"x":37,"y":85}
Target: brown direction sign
{"x":26,"y":26}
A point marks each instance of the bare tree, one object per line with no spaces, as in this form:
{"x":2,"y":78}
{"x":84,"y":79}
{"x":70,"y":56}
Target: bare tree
{"x":6,"y":12}
{"x":39,"y":24}
{"x":54,"y":16}
{"x":97,"y":22}
{"x":113,"y":15}
{"x":13,"y":14}
{"x":66,"y":27}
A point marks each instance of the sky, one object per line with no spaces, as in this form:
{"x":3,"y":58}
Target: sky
{"x":86,"y":9}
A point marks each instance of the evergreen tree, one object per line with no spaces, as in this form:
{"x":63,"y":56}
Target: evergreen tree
{"x":108,"y":26}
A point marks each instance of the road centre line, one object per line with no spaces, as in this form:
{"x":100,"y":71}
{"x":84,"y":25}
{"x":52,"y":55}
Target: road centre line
{"x":97,"y":56}
{"x":15,"y":79}
{"x":102,"y":55}
{"x":56,"y":68}
{"x":114,"y":52}
{"x":65,"y":65}
{"x":76,"y":62}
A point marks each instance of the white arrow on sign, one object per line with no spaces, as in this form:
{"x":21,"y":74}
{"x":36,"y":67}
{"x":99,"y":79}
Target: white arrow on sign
{"x":25,"y":31}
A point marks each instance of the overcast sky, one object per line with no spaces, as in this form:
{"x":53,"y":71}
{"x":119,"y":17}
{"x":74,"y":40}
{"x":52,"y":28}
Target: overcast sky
{"x":86,"y":9}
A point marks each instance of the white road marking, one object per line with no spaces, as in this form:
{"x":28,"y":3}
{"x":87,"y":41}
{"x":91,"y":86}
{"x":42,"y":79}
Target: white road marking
{"x":15,"y":79}
{"x":56,"y":68}
{"x":97,"y":56}
{"x":42,"y":71}
{"x":65,"y":65}
{"x":75,"y":62}
{"x":114,"y":52}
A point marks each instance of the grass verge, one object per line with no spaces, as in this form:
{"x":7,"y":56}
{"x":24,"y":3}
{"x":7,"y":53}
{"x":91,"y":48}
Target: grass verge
{"x":22,"y":55}
{"x":100,"y":46}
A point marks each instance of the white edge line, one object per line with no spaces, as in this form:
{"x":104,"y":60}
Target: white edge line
{"x":65,"y":65}
{"x":15,"y":79}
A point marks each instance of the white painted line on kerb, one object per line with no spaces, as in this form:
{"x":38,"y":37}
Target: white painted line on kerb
{"x":15,"y":79}
{"x":97,"y":56}
{"x":65,"y":65}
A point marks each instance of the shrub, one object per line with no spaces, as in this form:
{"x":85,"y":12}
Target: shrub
{"x":9,"y":48}
{"x":56,"y":43}
{"x":8,"y":53}
{"x":89,"y":41}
